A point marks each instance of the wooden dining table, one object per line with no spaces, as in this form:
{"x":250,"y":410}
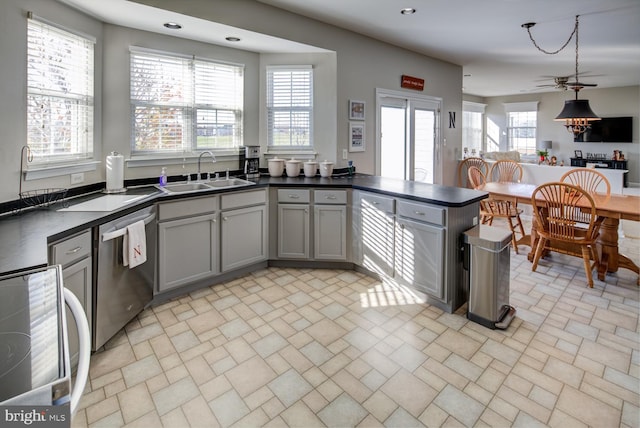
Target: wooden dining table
{"x":613,"y":208}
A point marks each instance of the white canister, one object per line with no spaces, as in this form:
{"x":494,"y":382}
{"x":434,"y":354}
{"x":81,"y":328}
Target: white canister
{"x":310,"y":169}
{"x":326,"y":168}
{"x":293,"y":167}
{"x":276,"y":167}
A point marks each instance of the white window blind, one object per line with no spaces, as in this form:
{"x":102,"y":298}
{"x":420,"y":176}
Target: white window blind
{"x":60,"y":67}
{"x":290,"y":106}
{"x":473,"y":126}
{"x":183,"y":104}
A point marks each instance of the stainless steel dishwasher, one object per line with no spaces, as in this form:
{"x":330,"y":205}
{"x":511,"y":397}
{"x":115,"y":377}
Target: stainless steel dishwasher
{"x":122,"y":292}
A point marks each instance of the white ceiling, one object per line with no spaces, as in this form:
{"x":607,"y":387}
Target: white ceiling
{"x":484,"y":37}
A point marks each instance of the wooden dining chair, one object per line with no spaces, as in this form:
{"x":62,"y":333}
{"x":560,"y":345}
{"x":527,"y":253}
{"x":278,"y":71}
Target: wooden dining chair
{"x":555,"y":209}
{"x":587,"y":178}
{"x":494,"y":207}
{"x":463,"y":168}
{"x":590,"y":180}
{"x":505,"y":171}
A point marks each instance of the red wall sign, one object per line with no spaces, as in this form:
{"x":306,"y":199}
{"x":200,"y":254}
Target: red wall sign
{"x":411,"y":82}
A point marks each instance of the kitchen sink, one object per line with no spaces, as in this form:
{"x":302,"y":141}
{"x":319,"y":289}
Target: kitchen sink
{"x":230,"y":182}
{"x":203,"y":186}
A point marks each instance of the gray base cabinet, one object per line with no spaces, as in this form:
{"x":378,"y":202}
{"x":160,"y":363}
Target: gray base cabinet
{"x":75,"y":256}
{"x":312,"y":224}
{"x":187,"y":251}
{"x":293,"y":231}
{"x":244,"y":237}
{"x":330,"y":232}
{"x":374,"y":232}
{"x":419,"y":257}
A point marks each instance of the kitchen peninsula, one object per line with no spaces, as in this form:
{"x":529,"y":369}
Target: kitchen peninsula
{"x":448,"y":210}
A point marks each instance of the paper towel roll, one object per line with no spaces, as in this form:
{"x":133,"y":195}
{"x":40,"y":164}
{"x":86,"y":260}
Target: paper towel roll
{"x":115,"y":172}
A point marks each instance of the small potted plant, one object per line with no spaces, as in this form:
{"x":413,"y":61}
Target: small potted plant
{"x":543,"y":155}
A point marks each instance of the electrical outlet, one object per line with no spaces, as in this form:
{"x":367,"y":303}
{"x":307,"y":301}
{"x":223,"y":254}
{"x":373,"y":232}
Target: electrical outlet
{"x":345,"y":155}
{"x":77,"y":178}
{"x":474,"y":221}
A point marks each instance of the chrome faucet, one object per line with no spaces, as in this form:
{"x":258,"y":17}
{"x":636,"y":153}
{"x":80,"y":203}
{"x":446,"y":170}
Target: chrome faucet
{"x":200,"y":159}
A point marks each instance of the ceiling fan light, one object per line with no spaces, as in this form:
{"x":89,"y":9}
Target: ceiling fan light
{"x":577,"y":109}
{"x":577,"y":116}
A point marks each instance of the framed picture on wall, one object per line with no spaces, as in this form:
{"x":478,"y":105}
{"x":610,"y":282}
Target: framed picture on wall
{"x":577,"y":154}
{"x":356,"y":110}
{"x":356,"y":136}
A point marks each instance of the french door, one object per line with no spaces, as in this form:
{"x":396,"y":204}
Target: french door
{"x":408,"y":142}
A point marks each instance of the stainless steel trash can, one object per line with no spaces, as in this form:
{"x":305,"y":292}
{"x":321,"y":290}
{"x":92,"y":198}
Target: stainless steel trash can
{"x":487,"y":261}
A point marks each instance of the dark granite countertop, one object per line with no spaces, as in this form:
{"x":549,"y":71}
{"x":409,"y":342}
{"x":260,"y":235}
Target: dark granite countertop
{"x":25,"y":236}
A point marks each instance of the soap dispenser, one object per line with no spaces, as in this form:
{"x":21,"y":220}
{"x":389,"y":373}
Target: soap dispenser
{"x":163,"y":177}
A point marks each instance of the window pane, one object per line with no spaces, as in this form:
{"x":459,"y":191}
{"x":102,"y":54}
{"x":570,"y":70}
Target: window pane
{"x":59,"y":93}
{"x":174,"y":96}
{"x":290,"y":107}
{"x":472,"y":131}
{"x":521,"y":131}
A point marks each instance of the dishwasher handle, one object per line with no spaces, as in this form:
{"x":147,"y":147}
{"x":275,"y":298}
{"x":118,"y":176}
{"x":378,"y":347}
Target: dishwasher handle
{"x":107,"y":236}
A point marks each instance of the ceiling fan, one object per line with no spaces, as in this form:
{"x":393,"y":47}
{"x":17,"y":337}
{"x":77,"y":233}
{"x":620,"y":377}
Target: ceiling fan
{"x":563,"y":83}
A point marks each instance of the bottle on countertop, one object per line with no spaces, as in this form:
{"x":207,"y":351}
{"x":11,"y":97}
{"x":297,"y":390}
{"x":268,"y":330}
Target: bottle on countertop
{"x":163,"y":177}
{"x":350,"y":163}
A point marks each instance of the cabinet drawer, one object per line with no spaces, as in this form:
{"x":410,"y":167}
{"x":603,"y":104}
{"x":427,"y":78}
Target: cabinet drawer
{"x":187,"y":207}
{"x":330,"y":196}
{"x":72,"y":249}
{"x":421,"y":212}
{"x":294,"y":196}
{"x":380,"y":203}
{"x":243,"y":199}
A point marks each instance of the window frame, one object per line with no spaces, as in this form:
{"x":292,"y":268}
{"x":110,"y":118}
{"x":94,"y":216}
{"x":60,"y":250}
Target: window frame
{"x":527,"y":126}
{"x":191,"y":105}
{"x":290,"y":108}
{"x":73,"y":93}
{"x":469,"y":107}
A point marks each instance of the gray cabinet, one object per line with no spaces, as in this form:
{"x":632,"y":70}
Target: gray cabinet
{"x":330,"y":225}
{"x":419,"y":257}
{"x":293,"y":231}
{"x":244,"y":229}
{"x":187,"y":250}
{"x":244,"y":237}
{"x":188,"y":242}
{"x":420,"y":246}
{"x":374,"y":232}
{"x":75,"y":256}
{"x":312,"y":229}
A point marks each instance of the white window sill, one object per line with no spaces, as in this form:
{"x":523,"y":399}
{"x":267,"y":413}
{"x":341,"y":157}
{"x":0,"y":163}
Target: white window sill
{"x":289,"y":153}
{"x":39,"y":172}
{"x":142,"y":161}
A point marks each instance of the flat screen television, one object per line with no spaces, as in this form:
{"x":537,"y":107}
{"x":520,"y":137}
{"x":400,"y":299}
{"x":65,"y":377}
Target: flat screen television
{"x":608,"y":130}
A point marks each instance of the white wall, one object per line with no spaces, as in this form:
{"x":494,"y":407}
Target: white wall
{"x":604,"y":102}
{"x":359,"y":64}
{"x":13,"y":92}
{"x":363,"y":64}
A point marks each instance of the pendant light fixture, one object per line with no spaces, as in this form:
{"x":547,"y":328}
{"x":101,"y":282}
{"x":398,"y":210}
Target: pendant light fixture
{"x":576,"y":114}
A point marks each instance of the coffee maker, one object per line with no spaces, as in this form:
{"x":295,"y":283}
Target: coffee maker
{"x":250,"y":161}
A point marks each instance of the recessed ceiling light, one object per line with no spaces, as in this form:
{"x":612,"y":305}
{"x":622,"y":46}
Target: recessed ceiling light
{"x":407,"y":11}
{"x":232,"y":39}
{"x":172,"y":25}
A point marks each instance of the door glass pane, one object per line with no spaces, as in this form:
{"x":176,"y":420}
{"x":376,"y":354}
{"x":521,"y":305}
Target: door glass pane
{"x":424,"y":149}
{"x":392,"y":153}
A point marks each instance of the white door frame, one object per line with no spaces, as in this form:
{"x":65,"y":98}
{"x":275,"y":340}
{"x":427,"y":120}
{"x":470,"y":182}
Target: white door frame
{"x":409,"y":97}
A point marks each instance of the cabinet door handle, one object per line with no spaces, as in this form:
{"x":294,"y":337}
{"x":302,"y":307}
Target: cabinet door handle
{"x":213,"y":220}
{"x":225,"y":218}
{"x":418,"y":213}
{"x":330,"y":197}
{"x":74,"y":250}
{"x":293,"y":196}
{"x":375,"y":203}
{"x":306,"y":210}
